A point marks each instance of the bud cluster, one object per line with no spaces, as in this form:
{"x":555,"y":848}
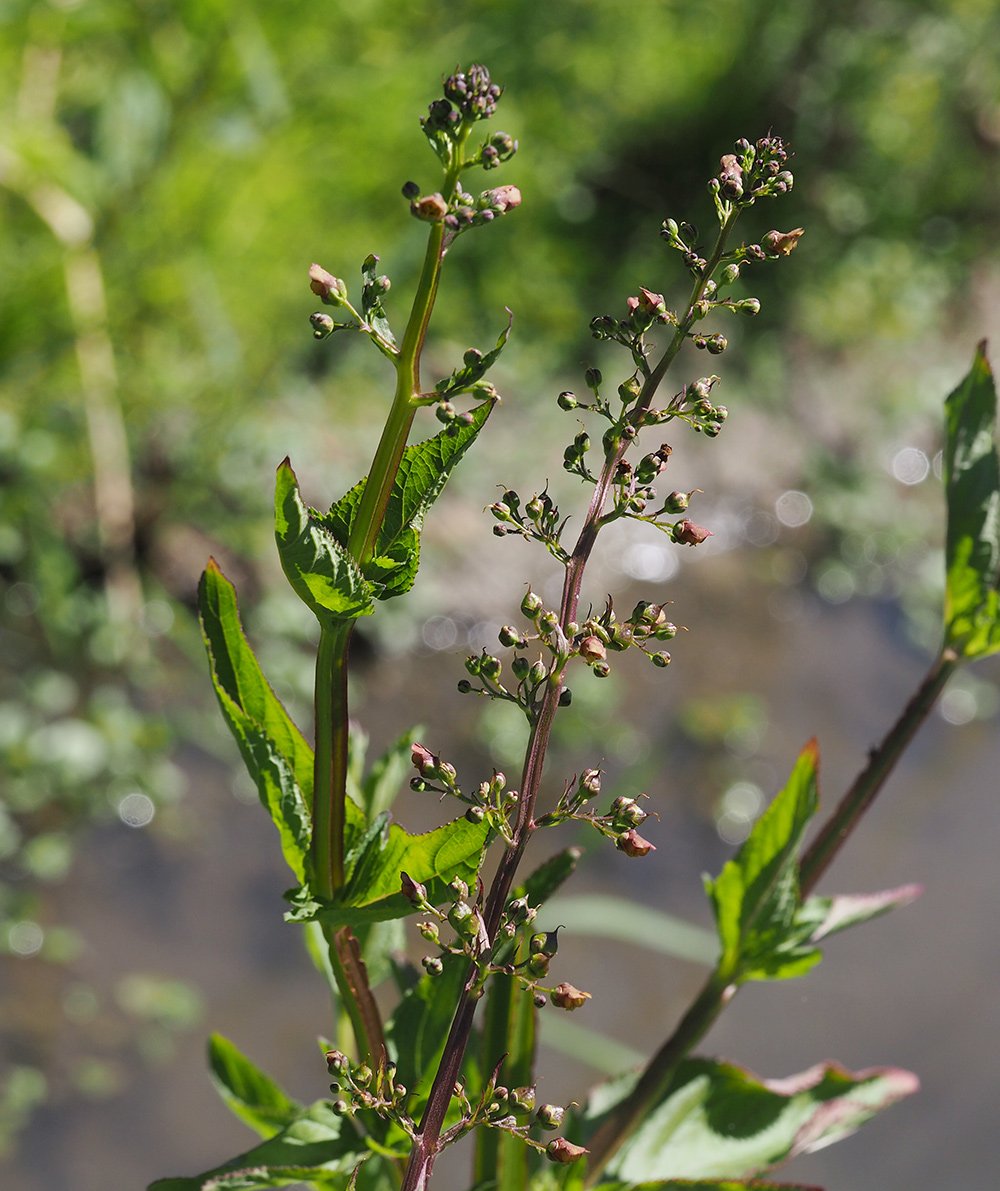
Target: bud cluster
{"x":619,"y":823}
{"x":356,"y":1086}
{"x":540,"y":521}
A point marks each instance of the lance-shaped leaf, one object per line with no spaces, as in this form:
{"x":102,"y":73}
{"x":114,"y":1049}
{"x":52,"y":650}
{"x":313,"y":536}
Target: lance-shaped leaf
{"x":756,"y":898}
{"x":423,"y":472}
{"x":831,"y":915}
{"x":319,"y":568}
{"x":315,"y":1146}
{"x":252,"y":1095}
{"x":972,"y":486}
{"x":276,"y":755}
{"x":474,"y":367}
{"x":716,"y":1120}
{"x":417,"y":1030}
{"x":372,"y":890}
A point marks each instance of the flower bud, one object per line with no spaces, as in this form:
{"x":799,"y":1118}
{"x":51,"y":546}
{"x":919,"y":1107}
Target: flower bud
{"x":523,"y":1099}
{"x":331,"y":289}
{"x":689,"y":534}
{"x":423,"y":760}
{"x":633,"y":844}
{"x":545,"y":942}
{"x":782,"y":243}
{"x":661,"y":659}
{"x":462,"y":918}
{"x":520,"y":667}
{"x":538,"y":964}
{"x":363,"y":1075}
{"x":410,"y":190}
{"x":592,"y":649}
{"x":627,"y":811}
{"x":464,"y":686}
{"x":568,"y":996}
{"x":341,"y":1108}
{"x":531,"y":605}
{"x":414,"y":891}
{"x":548,"y":622}
{"x":475,"y":814}
{"x":459,"y":888}
{"x":677,"y":502}
{"x":538,"y":673}
{"x":716,"y":344}
{"x":336,"y":1062}
{"x":600,"y":669}
{"x":429,"y":931}
{"x":550,"y":1116}
{"x":322,"y":325}
{"x":502,"y":199}
{"x":593,"y":378}
{"x":729,"y":273}
{"x":564,"y":1152}
{"x":491,"y":668}
{"x":567,"y":400}
{"x":565,"y":697}
{"x":748,"y":306}
{"x":509,"y":636}
{"x":432,"y":965}
{"x":539,"y":1000}
{"x":432,"y":208}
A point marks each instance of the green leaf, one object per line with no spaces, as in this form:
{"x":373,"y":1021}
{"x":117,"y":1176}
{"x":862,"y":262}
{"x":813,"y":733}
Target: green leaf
{"x":705,"y":1185}
{"x":371,"y":300}
{"x":372,"y":890}
{"x":423,"y":472}
{"x":462,"y":379}
{"x":716,"y":1120}
{"x":251,"y":1095}
{"x":972,"y":487}
{"x":755,"y":898}
{"x":831,"y":915}
{"x":417,"y":1030}
{"x":550,"y":875}
{"x":274,"y":751}
{"x":606,"y":1055}
{"x":625,"y":921}
{"x":316,"y":1145}
{"x":388,"y":775}
{"x":321,"y":571}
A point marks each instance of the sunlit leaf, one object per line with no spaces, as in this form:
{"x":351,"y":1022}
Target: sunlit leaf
{"x":423,"y":472}
{"x":716,"y":1120}
{"x":252,"y":1095}
{"x":834,"y":914}
{"x":972,"y":485}
{"x":322,"y":573}
{"x":317,"y":1144}
{"x":755,"y":898}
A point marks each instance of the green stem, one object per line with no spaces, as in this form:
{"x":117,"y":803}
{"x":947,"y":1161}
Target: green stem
{"x":718,"y":991}
{"x":881,"y":762}
{"x":330,"y":769}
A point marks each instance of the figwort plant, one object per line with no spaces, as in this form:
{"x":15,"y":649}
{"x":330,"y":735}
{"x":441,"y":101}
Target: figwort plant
{"x":456,"y":1056}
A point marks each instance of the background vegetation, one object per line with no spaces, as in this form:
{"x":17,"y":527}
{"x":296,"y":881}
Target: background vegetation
{"x":168,"y":171}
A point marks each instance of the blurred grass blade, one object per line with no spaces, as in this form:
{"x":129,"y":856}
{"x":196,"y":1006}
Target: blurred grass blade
{"x":603,"y":1054}
{"x":607,"y":917}
{"x":972,"y":487}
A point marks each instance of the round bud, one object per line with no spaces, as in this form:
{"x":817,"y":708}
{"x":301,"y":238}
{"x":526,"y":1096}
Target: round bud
{"x":475,"y":814}
{"x":531,"y":605}
{"x":464,"y":687}
{"x":432,"y":965}
{"x":410,"y":190}
{"x":548,"y":622}
{"x":600,"y":669}
{"x":322,"y":325}
{"x":550,"y":1116}
{"x":567,"y":400}
{"x":472,"y":357}
{"x":677,"y":502}
{"x":534,"y":508}
{"x":429,"y":931}
{"x":565,"y":697}
{"x":593,"y":378}
{"x":520,"y":666}
{"x":491,"y":668}
{"x":341,"y":1108}
{"x":729,"y":274}
{"x":508,"y":636}
{"x":660,"y":659}
{"x":538,"y":673}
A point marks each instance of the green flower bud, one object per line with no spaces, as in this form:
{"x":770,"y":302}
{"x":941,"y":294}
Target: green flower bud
{"x":520,"y":667}
{"x":538,"y":673}
{"x":600,"y":669}
{"x":336,"y":1062}
{"x":729,"y":274}
{"x":410,"y":190}
{"x":459,"y":888}
{"x":717,"y":344}
{"x":523,"y":1099}
{"x":322,"y":325}
{"x":565,"y":697}
{"x":432,"y":965}
{"x":582,"y":442}
{"x":341,"y":1108}
{"x":464,"y":686}
{"x":593,"y":378}
{"x":429,"y":931}
{"x":534,"y":508}
{"x":491,"y":668}
{"x":567,"y":400}
{"x":509,"y":636}
{"x":538,"y":964}
{"x":445,"y":412}
{"x":550,"y":1116}
{"x":475,"y":814}
{"x":363,"y":1075}
{"x":660,"y":659}
{"x":548,"y":621}
{"x":677,"y":502}
{"x":749,"y":306}
{"x":531,"y":605}
{"x":472,"y":357}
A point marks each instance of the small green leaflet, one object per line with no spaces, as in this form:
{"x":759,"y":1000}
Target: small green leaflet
{"x":315,"y":1146}
{"x":274,"y":751}
{"x":321,"y":571}
{"x":372,"y":890}
{"x":371,"y":301}
{"x":756,"y":898}
{"x":423,"y":472}
{"x":252,"y":1095}
{"x":972,"y":487}
{"x":475,"y":366}
{"x":719,"y":1121}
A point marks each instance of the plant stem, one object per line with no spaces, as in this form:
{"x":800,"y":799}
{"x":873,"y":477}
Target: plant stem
{"x":881,"y":762}
{"x":427,"y":1145}
{"x":331,"y":692}
{"x":717,"y":993}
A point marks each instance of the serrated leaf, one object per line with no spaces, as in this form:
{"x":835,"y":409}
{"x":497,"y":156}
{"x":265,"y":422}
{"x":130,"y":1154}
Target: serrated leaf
{"x":371,"y":300}
{"x":755,"y":898}
{"x":972,"y":487}
{"x":716,"y":1120}
{"x":372,"y":890}
{"x":423,"y":472}
{"x":248,"y":1092}
{"x":321,"y":571}
{"x":834,"y":914}
{"x":463,"y":378}
{"x":316,"y":1145}
{"x":279,"y":760}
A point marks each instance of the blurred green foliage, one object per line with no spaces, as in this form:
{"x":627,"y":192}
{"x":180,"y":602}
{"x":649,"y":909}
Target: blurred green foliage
{"x":169,"y":170}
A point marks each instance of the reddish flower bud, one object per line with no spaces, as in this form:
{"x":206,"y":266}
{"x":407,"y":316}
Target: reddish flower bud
{"x":564,"y":1152}
{"x":414,"y":891}
{"x":568,"y":996}
{"x":331,"y":289}
{"x":503,"y":198}
{"x":633,"y":844}
{"x":689,"y":534}
{"x":782,"y":243}
{"x":423,"y":760}
{"x":592,"y":649}
{"x":431,"y":208}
